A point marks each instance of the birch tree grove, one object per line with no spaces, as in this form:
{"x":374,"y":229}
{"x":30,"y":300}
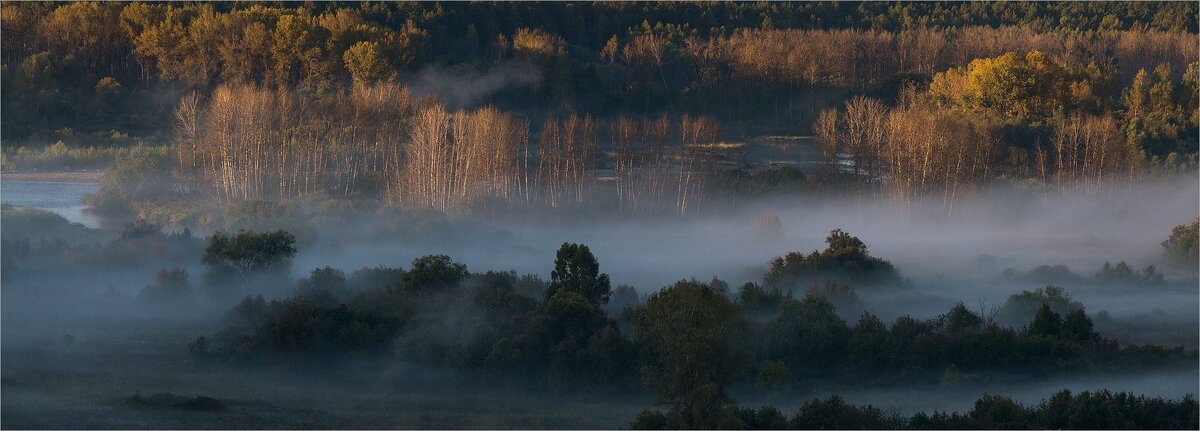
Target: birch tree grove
{"x":1089,"y":152}
{"x":914,"y":150}
{"x":654,"y":135}
{"x":640,"y":161}
{"x":930,"y":154}
{"x":255,"y":143}
{"x":462,"y":157}
{"x":646,"y":166}
{"x":427,"y":166}
{"x":697,"y":136}
{"x":626,"y":142}
{"x":566,"y":159}
{"x":865,"y":123}
{"x":187,"y":136}
{"x":828,"y":133}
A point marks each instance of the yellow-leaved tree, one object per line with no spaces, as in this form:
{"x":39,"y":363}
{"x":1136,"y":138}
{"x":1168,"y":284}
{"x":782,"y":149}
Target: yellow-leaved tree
{"x":1009,"y":87}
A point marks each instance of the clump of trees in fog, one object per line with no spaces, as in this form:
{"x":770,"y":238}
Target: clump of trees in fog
{"x":845,"y":257}
{"x":1054,"y":274}
{"x":1183,"y":246}
{"x":233,"y":259}
{"x":1063,"y":410}
{"x":697,"y":338}
{"x":690,"y":342}
{"x":169,"y":285}
{"x":1021,"y":307}
{"x":37,"y":240}
{"x":694,"y":344}
{"x":173,"y":401}
{"x":248,"y":251}
{"x":1122,"y":273}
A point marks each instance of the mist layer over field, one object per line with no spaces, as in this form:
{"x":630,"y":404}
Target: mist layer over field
{"x":76,"y":345}
{"x":960,"y":257}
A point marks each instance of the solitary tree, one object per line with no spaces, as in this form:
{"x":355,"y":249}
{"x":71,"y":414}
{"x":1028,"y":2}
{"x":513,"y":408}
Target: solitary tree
{"x":249,"y":252}
{"x":576,"y":270}
{"x":695,"y":335}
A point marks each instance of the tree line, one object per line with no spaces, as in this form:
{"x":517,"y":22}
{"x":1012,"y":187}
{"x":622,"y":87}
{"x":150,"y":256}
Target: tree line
{"x":690,"y":342}
{"x":1062,"y":410}
{"x":1014,"y":116}
{"x":274,"y":102}
{"x":105,"y":67}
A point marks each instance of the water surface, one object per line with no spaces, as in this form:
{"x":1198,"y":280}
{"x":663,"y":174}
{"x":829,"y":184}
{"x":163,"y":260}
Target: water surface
{"x":61,"y":197}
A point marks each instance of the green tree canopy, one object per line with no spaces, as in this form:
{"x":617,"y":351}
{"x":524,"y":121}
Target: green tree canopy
{"x":367,"y":64}
{"x":132,"y":178}
{"x":434,"y":272}
{"x":845,"y":257}
{"x":249,"y":252}
{"x":1009,"y":87}
{"x":1183,"y":246}
{"x":1021,"y":307}
{"x":576,"y":270}
{"x":696,"y":336}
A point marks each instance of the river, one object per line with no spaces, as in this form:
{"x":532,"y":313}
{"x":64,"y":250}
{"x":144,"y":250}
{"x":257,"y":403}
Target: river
{"x":61,"y":197}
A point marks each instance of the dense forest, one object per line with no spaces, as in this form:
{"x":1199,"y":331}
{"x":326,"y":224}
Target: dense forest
{"x":459,"y":106}
{"x":118,"y":67}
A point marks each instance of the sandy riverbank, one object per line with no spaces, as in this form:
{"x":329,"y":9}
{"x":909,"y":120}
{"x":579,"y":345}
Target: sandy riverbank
{"x":72,"y":176}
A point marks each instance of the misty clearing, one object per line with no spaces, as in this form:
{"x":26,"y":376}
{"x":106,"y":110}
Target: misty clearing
{"x":846,"y":215}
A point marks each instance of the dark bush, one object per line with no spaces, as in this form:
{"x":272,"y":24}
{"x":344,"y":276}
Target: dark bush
{"x":169,"y":285}
{"x":1022,"y":307}
{"x":845,"y":258}
{"x":1123,"y":274}
{"x":434,"y":273}
{"x":178,"y":402}
{"x":834,"y":413}
{"x":649,"y":420}
{"x":1059,"y":274}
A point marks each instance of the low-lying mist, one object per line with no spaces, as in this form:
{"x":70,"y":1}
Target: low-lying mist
{"x":958,"y":256}
{"x":79,"y":341}
{"x":467,"y":87}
